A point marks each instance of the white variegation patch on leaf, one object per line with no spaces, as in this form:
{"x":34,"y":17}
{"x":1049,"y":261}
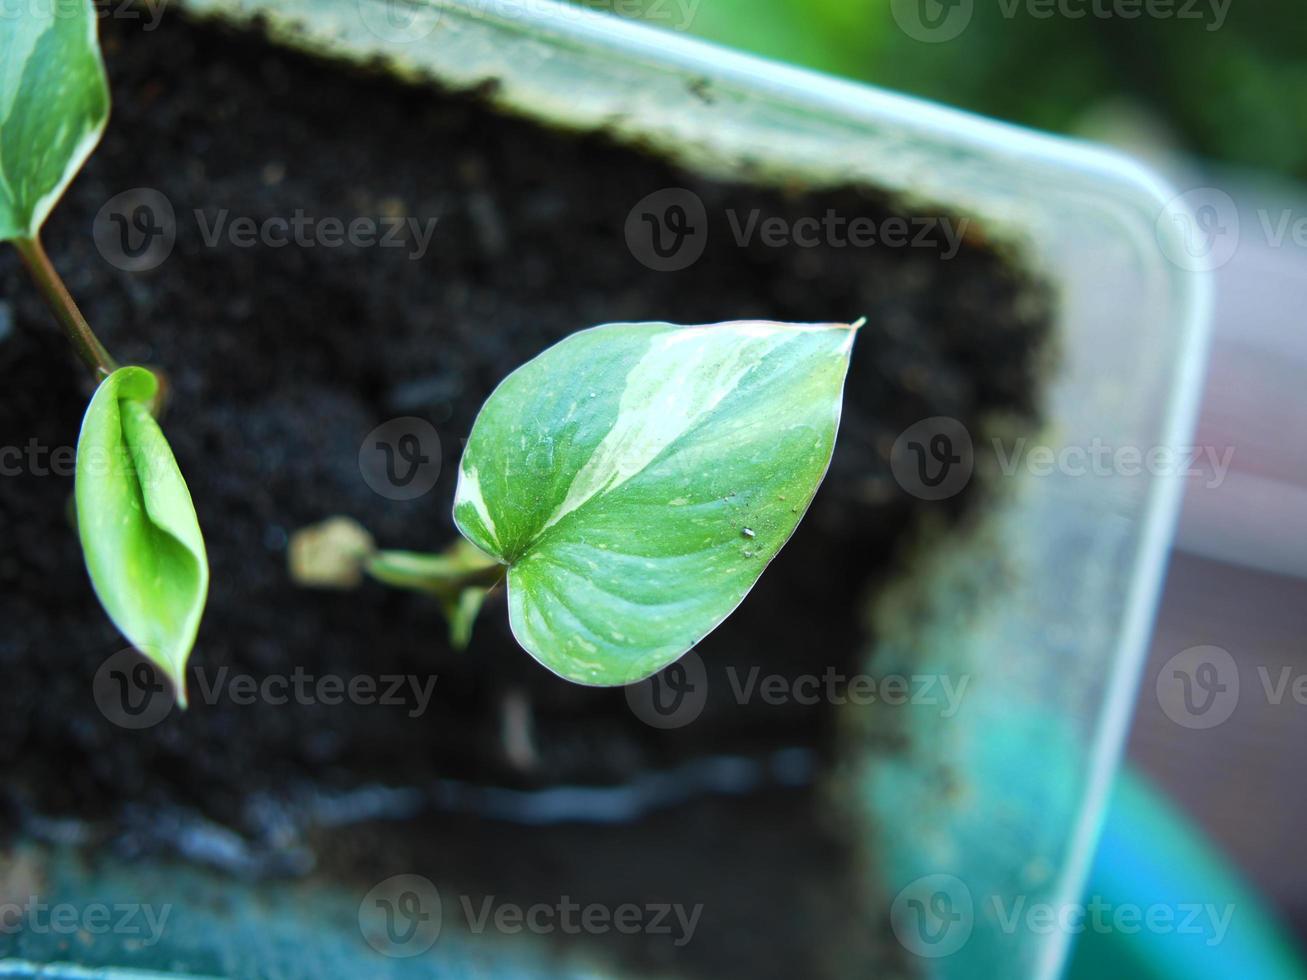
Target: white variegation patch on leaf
{"x":638,"y":477}
{"x":140,"y":536}
{"x":54,"y":101}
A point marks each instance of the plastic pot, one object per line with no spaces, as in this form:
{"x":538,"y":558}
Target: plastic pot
{"x":1000,"y":803}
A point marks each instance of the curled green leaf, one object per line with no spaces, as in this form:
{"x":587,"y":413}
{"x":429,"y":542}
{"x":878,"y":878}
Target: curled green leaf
{"x":638,"y":477}
{"x":140,"y":536}
{"x":54,"y":101}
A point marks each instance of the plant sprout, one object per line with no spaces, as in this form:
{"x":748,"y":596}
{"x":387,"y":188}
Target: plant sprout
{"x":135,"y":518}
{"x":631,"y":484}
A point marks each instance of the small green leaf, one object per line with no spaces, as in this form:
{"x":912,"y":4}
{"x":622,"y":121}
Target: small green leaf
{"x":54,"y":101}
{"x":461,"y":611}
{"x":460,"y":577}
{"x":139,"y":533}
{"x":638,"y":477}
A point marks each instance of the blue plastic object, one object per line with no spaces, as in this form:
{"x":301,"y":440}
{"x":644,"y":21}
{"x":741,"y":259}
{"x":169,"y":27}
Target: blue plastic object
{"x":1151,"y":857}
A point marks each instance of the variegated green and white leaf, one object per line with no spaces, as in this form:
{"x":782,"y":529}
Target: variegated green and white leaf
{"x":638,"y":477}
{"x":54,"y":101}
{"x":140,"y":536}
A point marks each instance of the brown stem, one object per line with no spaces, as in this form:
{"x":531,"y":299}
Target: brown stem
{"x":65,"y":310}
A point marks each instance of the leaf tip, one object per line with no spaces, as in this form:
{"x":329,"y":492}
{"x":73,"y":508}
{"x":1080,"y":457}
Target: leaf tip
{"x":179,"y":688}
{"x":172,"y":670}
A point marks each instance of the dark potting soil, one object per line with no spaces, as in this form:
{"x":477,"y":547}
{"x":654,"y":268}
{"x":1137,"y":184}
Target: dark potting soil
{"x":282,"y":359}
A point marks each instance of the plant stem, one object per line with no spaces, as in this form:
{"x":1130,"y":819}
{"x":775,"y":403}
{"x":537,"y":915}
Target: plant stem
{"x":438,"y":573}
{"x":56,"y":295}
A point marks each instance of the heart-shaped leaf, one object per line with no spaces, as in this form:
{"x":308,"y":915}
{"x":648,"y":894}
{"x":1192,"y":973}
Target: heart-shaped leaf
{"x":54,"y":101}
{"x":638,"y":477}
{"x":139,"y":533}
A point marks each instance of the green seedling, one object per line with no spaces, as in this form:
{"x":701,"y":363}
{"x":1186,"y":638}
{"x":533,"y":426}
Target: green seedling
{"x":630,"y":485}
{"x":138,"y":529}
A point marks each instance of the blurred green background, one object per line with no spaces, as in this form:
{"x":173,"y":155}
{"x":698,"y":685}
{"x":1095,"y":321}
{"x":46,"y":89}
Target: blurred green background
{"x":1221,"y":79}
